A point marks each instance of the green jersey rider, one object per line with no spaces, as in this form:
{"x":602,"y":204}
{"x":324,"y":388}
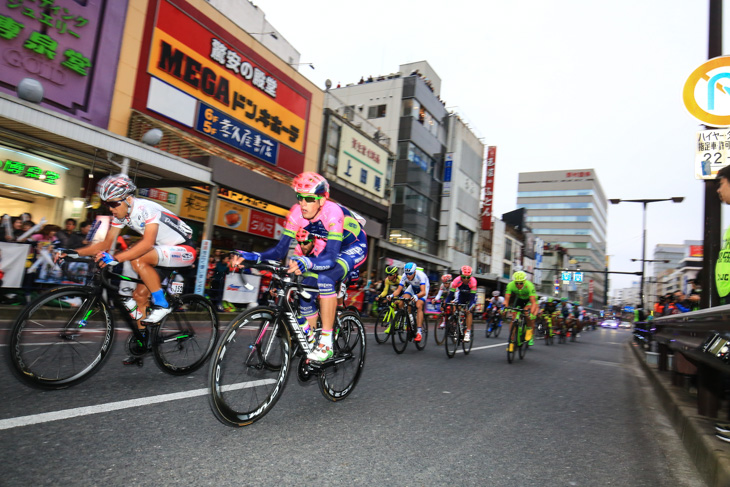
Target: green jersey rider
{"x":525,"y":294}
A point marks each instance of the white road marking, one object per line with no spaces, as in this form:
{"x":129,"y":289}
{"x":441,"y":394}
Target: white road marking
{"x":113,"y":406}
{"x":484,"y":347}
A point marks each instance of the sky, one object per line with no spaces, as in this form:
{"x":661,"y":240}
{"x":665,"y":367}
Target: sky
{"x":554,"y":85}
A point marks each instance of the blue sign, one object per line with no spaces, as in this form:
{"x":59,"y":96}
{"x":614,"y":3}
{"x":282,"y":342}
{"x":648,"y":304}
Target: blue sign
{"x":447,"y":166}
{"x":228,"y":130}
{"x":629,"y":309}
{"x":566,"y":275}
{"x":578,"y":276}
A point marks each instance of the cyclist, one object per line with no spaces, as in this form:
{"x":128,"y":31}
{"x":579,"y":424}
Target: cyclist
{"x":466,"y":284}
{"x":414,"y":283}
{"x":308,"y":245}
{"x":550,"y":312}
{"x":166,"y":242}
{"x":495,"y":306}
{"x":345,"y":250}
{"x":525,"y":294}
{"x":577,"y":318}
{"x":390,"y":283}
{"x":444,"y":287}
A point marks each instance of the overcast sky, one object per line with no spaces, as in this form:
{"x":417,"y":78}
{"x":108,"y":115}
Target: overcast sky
{"x":565,"y":84}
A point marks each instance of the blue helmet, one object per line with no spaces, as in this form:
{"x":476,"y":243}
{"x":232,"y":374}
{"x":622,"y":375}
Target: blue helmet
{"x":409,"y":268}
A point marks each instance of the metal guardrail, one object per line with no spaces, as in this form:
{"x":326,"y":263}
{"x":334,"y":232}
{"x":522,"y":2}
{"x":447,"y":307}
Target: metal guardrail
{"x":700,"y":342}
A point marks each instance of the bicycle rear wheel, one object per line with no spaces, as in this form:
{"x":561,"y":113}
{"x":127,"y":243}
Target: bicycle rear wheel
{"x":61,"y":338}
{"x":439,"y":333}
{"x":187,"y":336}
{"x":400,"y":332}
{"x":250,"y":368}
{"x":381,"y":324}
{"x":452,"y":337}
{"x":424,"y":333}
{"x":337,"y":381}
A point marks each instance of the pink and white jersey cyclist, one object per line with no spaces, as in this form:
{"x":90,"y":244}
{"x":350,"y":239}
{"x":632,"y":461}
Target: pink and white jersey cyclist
{"x":345,"y":251}
{"x":466,"y":285}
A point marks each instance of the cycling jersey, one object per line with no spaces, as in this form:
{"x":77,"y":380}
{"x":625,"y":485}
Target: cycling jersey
{"x":443,"y":288}
{"x":497,"y":301}
{"x":467,"y":290}
{"x":173,"y":242}
{"x":172,"y":230}
{"x":389,"y":286}
{"x":413,"y":286}
{"x":551,"y":307}
{"x":319,"y":245}
{"x":522,"y":296}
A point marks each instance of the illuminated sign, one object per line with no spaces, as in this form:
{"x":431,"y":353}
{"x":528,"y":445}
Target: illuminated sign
{"x":26,"y":171}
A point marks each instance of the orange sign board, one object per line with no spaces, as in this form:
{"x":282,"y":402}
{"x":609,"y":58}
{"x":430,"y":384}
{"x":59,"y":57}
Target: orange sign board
{"x":232,"y":216}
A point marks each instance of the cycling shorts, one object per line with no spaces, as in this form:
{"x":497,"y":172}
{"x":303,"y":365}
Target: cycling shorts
{"x":411,"y":292}
{"x":175,"y":255}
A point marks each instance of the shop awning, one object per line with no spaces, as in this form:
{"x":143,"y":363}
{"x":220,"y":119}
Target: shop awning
{"x":35,"y":129}
{"x":416,"y":255}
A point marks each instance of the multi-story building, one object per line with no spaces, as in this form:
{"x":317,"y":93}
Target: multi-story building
{"x":410,"y":116}
{"x":568,"y":208}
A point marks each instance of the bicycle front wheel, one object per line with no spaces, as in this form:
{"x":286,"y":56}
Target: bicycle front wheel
{"x":523,"y":344}
{"x":439,"y":330}
{"x":61,"y":338}
{"x":466,"y":346}
{"x":424,"y":333}
{"x":452,"y":337}
{"x":382,"y":324}
{"x":337,"y":381}
{"x":187,"y":336}
{"x":512,"y":344}
{"x":250,"y":368}
{"x":400,"y":332}
{"x":497,"y":328}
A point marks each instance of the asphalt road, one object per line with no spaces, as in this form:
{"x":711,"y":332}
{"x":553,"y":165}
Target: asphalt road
{"x":575,"y":414}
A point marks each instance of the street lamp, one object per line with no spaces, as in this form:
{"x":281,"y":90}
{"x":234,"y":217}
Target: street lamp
{"x":645,"y":202}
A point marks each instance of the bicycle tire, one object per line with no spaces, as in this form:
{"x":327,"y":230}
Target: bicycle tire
{"x":512,"y":341}
{"x":466,"y":346}
{"x":424,"y":333}
{"x":523,"y":343}
{"x":250,"y":367}
{"x":400,"y":332}
{"x":490,"y":326}
{"x":353,"y":309}
{"x":439,"y":334}
{"x":48,"y":347}
{"x":186,"y":337}
{"x":338,"y":381}
{"x":497,"y":329}
{"x":381,"y":325}
{"x":452,"y":337}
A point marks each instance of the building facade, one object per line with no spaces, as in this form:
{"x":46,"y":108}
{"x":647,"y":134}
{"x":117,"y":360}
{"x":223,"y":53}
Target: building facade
{"x":569,"y":209}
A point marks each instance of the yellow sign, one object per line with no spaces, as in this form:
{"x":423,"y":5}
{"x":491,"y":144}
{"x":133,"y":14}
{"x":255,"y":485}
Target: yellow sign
{"x":707,"y":92}
{"x":194,"y":206}
{"x":248,"y":201}
{"x":181,"y":66}
{"x":233,"y":216}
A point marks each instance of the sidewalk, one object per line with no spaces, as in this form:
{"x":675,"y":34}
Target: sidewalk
{"x":710,"y":455}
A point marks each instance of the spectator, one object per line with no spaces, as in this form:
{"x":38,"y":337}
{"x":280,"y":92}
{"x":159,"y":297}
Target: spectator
{"x":69,"y":238}
{"x":217,"y":281}
{"x":84,"y":229}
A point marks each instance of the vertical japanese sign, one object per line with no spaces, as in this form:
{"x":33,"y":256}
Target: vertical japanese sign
{"x":361,"y":161}
{"x":70,"y":47}
{"x":202,"y":272}
{"x":489,"y":188}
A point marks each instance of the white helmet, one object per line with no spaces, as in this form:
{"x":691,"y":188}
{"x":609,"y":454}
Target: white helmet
{"x":495,"y":293}
{"x":115,"y":187}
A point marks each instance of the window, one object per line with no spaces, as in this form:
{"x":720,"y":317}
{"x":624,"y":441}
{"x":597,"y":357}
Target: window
{"x":376,"y":111}
{"x":349,"y":112}
{"x":464,"y":240}
{"x":507,"y":249}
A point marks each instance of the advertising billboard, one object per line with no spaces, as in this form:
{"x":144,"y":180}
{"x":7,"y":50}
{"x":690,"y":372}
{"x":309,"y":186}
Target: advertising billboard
{"x":361,"y":161}
{"x":203,"y":78}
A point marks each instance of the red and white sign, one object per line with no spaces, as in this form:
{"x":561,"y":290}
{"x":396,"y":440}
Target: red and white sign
{"x":489,"y":188}
{"x":262,"y":224}
{"x":590,"y":292}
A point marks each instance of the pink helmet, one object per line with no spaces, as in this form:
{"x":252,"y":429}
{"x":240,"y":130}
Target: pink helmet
{"x":302,"y":235}
{"x":115,"y":186}
{"x":311,"y":183}
{"x":466,"y":271}
{"x":446,"y":278}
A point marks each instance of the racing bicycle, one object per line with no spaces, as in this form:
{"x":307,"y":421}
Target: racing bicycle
{"x":517,"y":331}
{"x":384,"y":321}
{"x":64,"y":336}
{"x":439,"y":331}
{"x":494,"y":322}
{"x":406,"y":327}
{"x":456,"y":329}
{"x":251,"y":365}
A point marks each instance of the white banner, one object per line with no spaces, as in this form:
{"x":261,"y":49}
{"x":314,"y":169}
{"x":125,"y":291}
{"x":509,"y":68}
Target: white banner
{"x":235,"y":291}
{"x":12,"y":263}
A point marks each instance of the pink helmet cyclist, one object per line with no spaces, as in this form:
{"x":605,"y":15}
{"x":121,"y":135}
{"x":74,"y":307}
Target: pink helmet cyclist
{"x":311,"y":183}
{"x":446,"y":278}
{"x":466,"y":271}
{"x":302,"y":235}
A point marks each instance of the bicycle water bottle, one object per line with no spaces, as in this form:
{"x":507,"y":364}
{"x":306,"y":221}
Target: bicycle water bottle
{"x":131,"y":306}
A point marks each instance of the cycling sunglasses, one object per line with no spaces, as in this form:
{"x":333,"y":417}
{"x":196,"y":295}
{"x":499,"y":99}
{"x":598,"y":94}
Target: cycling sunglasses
{"x":308,"y":198}
{"x":113,"y":204}
{"x":304,"y":242}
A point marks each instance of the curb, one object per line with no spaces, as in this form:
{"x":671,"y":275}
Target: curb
{"x":710,"y":455}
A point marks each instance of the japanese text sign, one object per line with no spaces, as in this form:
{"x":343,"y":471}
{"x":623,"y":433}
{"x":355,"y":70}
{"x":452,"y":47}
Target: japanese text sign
{"x":489,"y":188}
{"x":361,"y":161}
{"x":711,"y":152}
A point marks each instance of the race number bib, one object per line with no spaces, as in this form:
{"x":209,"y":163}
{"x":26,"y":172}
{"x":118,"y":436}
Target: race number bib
{"x":722,"y":273}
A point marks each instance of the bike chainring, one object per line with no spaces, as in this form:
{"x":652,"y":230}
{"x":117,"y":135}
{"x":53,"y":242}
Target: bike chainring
{"x":304,"y":371}
{"x":134,"y":348}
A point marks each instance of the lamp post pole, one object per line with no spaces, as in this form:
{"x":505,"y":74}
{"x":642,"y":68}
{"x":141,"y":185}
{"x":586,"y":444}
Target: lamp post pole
{"x":645,"y":202}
